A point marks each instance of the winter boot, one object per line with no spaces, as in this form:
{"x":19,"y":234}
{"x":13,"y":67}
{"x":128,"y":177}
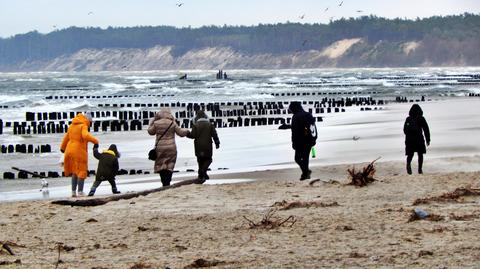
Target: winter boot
{"x":409,"y":168}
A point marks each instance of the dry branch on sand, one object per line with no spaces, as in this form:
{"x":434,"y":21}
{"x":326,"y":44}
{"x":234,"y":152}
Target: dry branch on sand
{"x":269,"y":221}
{"x":201,"y":263}
{"x":449,"y":196}
{"x":126,"y":196}
{"x":284,"y":205}
{"x":6,"y":246}
{"x":464,"y":217}
{"x":330,"y":181}
{"x":363,"y":178}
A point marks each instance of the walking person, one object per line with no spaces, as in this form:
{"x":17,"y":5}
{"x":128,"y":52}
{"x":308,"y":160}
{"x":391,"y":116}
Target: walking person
{"x":304,"y":135}
{"x":204,"y":134}
{"x":107,"y":167}
{"x":414,"y":128}
{"x":74,"y":147}
{"x":164,"y":127}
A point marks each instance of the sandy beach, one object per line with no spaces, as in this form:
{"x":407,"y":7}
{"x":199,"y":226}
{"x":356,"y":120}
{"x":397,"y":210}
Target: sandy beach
{"x":349,"y":227}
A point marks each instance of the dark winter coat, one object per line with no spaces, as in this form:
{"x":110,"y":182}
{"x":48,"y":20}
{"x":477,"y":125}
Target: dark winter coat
{"x":301,"y":121}
{"x":166,"y":147}
{"x":414,"y":128}
{"x":107,"y":163}
{"x":203,"y":132}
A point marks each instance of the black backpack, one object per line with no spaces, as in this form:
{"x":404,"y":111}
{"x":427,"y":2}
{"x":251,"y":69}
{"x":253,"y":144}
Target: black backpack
{"x":412,"y":126}
{"x":311,"y":134}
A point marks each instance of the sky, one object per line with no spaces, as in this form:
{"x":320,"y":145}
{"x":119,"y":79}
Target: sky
{"x":22,"y":16}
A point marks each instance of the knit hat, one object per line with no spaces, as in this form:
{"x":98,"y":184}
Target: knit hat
{"x":88,"y":115}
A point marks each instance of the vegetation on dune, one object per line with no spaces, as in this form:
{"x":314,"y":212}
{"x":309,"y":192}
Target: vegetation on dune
{"x":444,"y":39}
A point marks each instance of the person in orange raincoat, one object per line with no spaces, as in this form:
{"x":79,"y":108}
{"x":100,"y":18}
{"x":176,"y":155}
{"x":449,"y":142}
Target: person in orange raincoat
{"x":74,"y":147}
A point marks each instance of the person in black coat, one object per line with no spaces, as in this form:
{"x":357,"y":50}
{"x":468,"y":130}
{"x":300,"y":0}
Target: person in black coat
{"x":204,"y":134}
{"x":414,"y":128}
{"x":107,"y":168}
{"x":303,"y":137}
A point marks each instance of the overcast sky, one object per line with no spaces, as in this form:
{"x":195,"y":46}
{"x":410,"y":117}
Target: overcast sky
{"x":21,"y":16}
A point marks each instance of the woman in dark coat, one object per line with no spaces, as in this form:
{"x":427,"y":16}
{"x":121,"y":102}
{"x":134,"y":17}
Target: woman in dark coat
{"x":203,"y":132}
{"x":303,"y":137}
{"x":414,"y":128}
{"x":164,"y":124}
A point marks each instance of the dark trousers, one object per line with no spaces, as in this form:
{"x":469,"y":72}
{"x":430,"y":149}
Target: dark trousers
{"x":97,"y":183}
{"x":302,"y":158}
{"x":203,"y":164}
{"x":409,"y":163}
{"x":166,"y":177}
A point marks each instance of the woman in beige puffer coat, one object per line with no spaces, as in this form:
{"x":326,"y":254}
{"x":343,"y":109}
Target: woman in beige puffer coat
{"x":164,"y":122}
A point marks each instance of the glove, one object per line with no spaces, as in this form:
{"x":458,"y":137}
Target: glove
{"x":217,"y":146}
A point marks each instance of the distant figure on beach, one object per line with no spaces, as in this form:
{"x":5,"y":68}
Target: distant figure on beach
{"x":184,"y":76}
{"x":203,"y":132}
{"x":164,"y":127}
{"x":414,"y":128}
{"x":304,"y":135}
{"x":107,"y":167}
{"x":74,"y":147}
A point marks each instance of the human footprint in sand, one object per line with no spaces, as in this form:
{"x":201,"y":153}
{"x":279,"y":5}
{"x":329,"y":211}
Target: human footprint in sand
{"x":304,"y":135}
{"x":414,"y":128}
{"x":107,"y":168}
{"x":74,"y":147}
{"x":164,"y":127}
{"x":203,"y":132}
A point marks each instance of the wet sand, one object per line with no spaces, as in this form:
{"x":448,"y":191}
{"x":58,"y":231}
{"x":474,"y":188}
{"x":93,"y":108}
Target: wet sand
{"x":368,"y":228}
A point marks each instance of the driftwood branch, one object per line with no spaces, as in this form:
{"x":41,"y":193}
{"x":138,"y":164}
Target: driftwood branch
{"x":126,"y":196}
{"x":28,"y":172}
{"x":8,"y":249}
{"x":364,"y":177}
{"x":269,"y":221}
{"x":453,"y":196}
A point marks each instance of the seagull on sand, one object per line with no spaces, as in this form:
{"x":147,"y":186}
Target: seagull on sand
{"x":355,"y":138}
{"x":44,"y":184}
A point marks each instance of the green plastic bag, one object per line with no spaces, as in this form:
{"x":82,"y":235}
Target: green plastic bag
{"x":313,"y":152}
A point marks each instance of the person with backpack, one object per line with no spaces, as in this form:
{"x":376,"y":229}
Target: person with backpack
{"x":414,"y":128}
{"x":203,"y":132}
{"x":304,"y":136}
{"x":107,"y":168}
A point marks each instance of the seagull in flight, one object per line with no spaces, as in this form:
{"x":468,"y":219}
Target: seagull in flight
{"x":304,"y":42}
{"x":301,"y":17}
{"x":326,"y":9}
{"x":359,"y":11}
{"x":90,"y":13}
{"x":179,"y":4}
{"x":341,"y":3}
